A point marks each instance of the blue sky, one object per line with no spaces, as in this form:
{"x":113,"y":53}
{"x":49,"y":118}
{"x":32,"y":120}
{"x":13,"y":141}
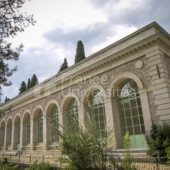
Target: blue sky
{"x":61,"y":23}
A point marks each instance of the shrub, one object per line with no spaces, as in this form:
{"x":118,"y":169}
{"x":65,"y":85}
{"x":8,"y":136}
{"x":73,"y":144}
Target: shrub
{"x":127,"y":162}
{"x":39,"y":166}
{"x":158,"y":140}
{"x":84,"y":150}
{"x":8,"y":166}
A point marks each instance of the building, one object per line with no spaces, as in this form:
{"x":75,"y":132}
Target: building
{"x":125,"y":86}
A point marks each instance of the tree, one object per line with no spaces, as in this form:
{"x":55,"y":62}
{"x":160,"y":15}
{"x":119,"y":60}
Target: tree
{"x":80,"y":55}
{"x":6,"y":99}
{"x":34,"y":80}
{"x":28,"y":84}
{"x":23,"y":87}
{"x":64,"y":65}
{"x":158,"y":139}
{"x":12,"y":21}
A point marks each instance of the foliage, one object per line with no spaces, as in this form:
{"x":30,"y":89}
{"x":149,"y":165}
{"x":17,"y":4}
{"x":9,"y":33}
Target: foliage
{"x":12,"y":21}
{"x":34,"y":81}
{"x":39,"y":166}
{"x":127,"y":162}
{"x":64,"y":65}
{"x":158,"y":140}
{"x":84,"y":150}
{"x":8,"y":166}
{"x":168,"y":154}
{"x":6,"y":99}
{"x":28,"y":84}
{"x":23,"y":87}
{"x":80,"y":55}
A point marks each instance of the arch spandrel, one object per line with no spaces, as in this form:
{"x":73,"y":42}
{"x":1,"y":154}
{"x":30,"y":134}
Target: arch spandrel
{"x":52,"y":102}
{"x":93,"y":87}
{"x":119,"y":79}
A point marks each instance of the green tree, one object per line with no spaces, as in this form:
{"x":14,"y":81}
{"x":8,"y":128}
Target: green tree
{"x":64,"y":65}
{"x":12,"y":21}
{"x":23,"y":87}
{"x":34,"y":80}
{"x":80,"y":55}
{"x":158,"y":140}
{"x":28,"y":84}
{"x":6,"y":99}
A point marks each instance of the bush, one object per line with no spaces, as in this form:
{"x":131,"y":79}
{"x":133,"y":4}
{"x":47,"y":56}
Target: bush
{"x":127,"y":162}
{"x":84,"y":150}
{"x":158,"y":140}
{"x":39,"y":166}
{"x":8,"y":166}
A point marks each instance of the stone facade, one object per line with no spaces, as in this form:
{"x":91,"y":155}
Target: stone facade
{"x":143,"y":57}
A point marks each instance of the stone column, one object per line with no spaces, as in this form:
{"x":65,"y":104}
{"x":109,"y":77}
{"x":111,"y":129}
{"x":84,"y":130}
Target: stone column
{"x":5,"y":138}
{"x":12,"y":137}
{"x":21,"y":135}
{"x":44,"y":133}
{"x":145,"y":109}
{"x":110,"y":122}
{"x":81,"y":115}
{"x":60,"y":118}
{"x":32,"y":134}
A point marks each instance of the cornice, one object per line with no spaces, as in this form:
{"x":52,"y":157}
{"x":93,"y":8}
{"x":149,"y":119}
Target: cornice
{"x":155,"y":34}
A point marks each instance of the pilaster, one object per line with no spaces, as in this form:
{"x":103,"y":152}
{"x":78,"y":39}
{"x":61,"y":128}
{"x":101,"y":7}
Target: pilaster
{"x":110,"y":122}
{"x":160,"y":82}
{"x":44,"y":133}
{"x":12,"y":138}
{"x":5,"y":138}
{"x":31,"y":135}
{"x":21,"y":136}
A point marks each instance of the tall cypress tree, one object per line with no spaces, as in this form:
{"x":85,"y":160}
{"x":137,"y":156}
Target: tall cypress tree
{"x":80,"y":55}
{"x":23,"y":87}
{"x":34,"y":80}
{"x":28,"y":84}
{"x":64,"y":65}
{"x":6,"y":99}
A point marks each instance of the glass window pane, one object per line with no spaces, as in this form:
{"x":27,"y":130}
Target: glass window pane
{"x":135,"y":120}
{"x":128,"y":113}
{"x":133,"y":102}
{"x":134,"y":112}
{"x":129,"y":121}
{"x":130,"y":130}
{"x":137,"y":130}
{"x":126,"y":104}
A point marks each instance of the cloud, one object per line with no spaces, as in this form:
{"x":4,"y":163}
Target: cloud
{"x":44,"y":61}
{"x":136,"y":12}
{"x":67,"y":38}
{"x":97,"y":23}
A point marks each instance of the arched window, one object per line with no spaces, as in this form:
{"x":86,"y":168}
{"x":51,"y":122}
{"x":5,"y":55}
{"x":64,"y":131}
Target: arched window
{"x":38,"y":127}
{"x":2,"y":134}
{"x":130,"y":112}
{"x":52,"y":124}
{"x":26,"y":129}
{"x":97,"y":112}
{"x":17,"y":126}
{"x":72,"y":114}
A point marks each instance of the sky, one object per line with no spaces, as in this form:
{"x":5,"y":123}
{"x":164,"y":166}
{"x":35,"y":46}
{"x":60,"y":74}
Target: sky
{"x":61,"y":23}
